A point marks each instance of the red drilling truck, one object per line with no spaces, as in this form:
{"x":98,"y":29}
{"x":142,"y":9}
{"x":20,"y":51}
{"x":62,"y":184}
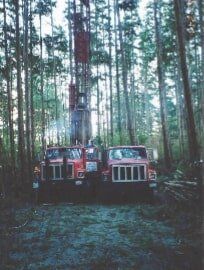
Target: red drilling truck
{"x":127,"y":172}
{"x":74,"y":171}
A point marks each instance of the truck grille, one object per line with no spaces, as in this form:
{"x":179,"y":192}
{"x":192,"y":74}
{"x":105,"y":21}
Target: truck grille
{"x":70,"y":170}
{"x":56,"y":171}
{"x":128,"y":173}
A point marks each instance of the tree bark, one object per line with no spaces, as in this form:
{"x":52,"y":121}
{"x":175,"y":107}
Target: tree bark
{"x":162,"y":94}
{"x":110,"y":73}
{"x":201,"y":22}
{"x":8,"y":88}
{"x":125,"y":87}
{"x":192,"y":138}
{"x":27,"y":91}
{"x":54,"y":78}
{"x":21,"y":141}
{"x":42,"y":89}
{"x":32,"y":110}
{"x":148,"y":124}
{"x":117,"y":79}
{"x":179,"y":109}
{"x":97,"y":86}
{"x":70,"y":41}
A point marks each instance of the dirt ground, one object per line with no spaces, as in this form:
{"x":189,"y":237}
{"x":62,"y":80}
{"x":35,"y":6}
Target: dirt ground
{"x":140,"y":236}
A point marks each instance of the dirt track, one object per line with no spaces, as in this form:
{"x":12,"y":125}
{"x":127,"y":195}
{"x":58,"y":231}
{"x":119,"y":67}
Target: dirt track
{"x":132,"y":236}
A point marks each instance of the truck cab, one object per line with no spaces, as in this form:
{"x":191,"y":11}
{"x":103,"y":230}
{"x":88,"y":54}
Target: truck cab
{"x":73,"y":169}
{"x":127,"y":170}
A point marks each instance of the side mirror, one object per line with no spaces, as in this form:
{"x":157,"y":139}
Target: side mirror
{"x":100,"y":155}
{"x":152,"y":154}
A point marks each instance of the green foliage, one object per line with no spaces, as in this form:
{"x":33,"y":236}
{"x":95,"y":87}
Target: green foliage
{"x":52,"y":63}
{"x":44,"y":7}
{"x":147,"y":39}
{"x":128,"y":5}
{"x":139,"y":47}
{"x":142,"y":138}
{"x":58,"y":42}
{"x":99,"y":58}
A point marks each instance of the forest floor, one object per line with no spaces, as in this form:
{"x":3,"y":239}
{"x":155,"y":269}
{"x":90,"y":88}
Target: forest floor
{"x":140,"y":236}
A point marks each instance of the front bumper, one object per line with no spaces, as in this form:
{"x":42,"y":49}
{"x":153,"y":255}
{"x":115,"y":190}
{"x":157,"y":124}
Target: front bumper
{"x":78,"y":187}
{"x":67,"y":184}
{"x":74,"y":190}
{"x":108,"y":187}
{"x":105,"y":181}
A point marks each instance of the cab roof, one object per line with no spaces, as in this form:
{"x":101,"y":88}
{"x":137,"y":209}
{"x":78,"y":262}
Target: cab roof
{"x":126,"y":146}
{"x":63,"y":147}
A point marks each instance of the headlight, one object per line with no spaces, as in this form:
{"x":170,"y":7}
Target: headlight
{"x":80,"y":175}
{"x":36,"y":170}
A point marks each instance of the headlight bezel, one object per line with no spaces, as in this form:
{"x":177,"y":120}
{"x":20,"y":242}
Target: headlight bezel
{"x":81,"y":174}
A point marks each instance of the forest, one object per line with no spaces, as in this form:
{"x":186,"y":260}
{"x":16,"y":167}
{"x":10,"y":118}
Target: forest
{"x":144,"y":81}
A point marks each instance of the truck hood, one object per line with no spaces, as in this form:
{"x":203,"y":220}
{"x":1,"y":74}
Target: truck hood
{"x":127,"y":161}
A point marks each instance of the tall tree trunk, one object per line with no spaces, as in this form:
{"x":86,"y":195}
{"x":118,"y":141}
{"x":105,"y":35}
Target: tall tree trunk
{"x":32,"y":111}
{"x":125,"y":87}
{"x":42,"y":89}
{"x":147,"y":104}
{"x":98,"y":101}
{"x":201,"y":19}
{"x":97,"y":85}
{"x":179,"y":109}
{"x":69,"y":17}
{"x":27,"y":91}
{"x":162,"y":94}
{"x":133,"y":103}
{"x":117,"y":78}
{"x":54,"y":77}
{"x":70,"y":33}
{"x":21,"y":142}
{"x":106,"y":109}
{"x":192,"y":139}
{"x":110,"y":73}
{"x":8,"y":88}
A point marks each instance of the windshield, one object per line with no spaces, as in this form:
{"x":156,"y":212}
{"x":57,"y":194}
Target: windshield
{"x":119,"y":153}
{"x":70,"y":153}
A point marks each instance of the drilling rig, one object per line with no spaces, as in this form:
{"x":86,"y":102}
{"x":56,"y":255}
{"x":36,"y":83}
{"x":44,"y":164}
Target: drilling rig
{"x":79,"y":88}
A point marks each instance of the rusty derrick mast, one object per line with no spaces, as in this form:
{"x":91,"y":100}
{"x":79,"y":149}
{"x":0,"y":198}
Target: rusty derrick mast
{"x":79,"y":88}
